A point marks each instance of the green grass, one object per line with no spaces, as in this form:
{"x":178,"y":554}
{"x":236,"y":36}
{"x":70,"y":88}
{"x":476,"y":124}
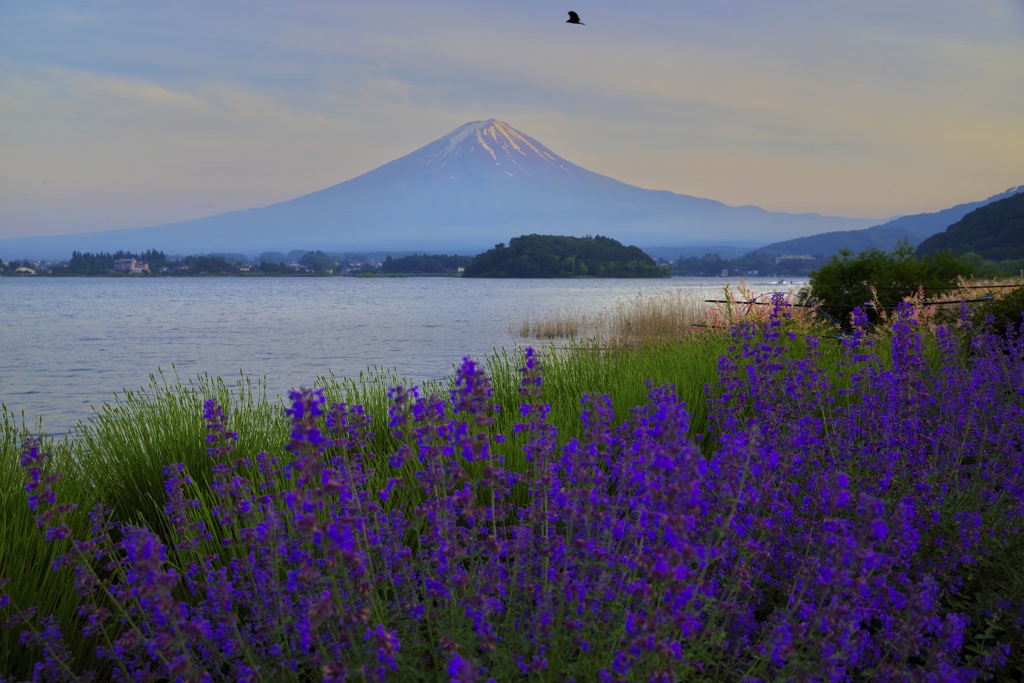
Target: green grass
{"x":117,"y":456}
{"x":25,"y":555}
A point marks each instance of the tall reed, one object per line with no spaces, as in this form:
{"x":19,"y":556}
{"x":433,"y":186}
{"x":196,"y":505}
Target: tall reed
{"x":645,"y":318}
{"x":660,"y":317}
{"x":572,"y":324}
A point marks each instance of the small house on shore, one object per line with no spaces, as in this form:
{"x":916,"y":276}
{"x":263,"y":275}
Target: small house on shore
{"x":130,"y":265}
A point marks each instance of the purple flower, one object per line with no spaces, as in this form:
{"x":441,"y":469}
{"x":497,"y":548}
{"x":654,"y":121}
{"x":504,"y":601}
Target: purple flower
{"x":385,"y":644}
{"x":460,"y":670}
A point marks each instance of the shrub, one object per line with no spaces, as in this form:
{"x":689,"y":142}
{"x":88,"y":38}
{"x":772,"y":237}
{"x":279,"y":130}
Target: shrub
{"x":1005,"y":313}
{"x":883,"y":278}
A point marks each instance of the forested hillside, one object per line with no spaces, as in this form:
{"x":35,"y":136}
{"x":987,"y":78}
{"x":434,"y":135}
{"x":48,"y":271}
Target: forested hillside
{"x":994,"y":232}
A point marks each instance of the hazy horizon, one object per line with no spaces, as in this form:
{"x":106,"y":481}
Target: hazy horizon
{"x":115,"y":115}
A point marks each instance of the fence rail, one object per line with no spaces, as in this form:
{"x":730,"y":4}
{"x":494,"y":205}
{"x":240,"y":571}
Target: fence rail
{"x":869,"y":304}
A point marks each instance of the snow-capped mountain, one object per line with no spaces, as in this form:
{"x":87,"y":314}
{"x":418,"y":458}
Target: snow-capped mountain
{"x":483,"y":183}
{"x":487,"y":148}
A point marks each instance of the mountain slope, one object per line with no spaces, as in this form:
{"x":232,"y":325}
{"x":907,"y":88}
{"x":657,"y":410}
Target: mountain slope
{"x":914,"y":229}
{"x":994,"y":232}
{"x":481,"y":184}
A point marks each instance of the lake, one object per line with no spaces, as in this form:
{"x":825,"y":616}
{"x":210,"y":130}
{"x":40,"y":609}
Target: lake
{"x":67,"y":344}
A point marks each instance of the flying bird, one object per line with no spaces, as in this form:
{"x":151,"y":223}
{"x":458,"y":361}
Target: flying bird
{"x":574,"y":19}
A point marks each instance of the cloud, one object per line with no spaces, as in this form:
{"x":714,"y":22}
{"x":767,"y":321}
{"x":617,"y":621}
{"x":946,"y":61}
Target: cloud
{"x":95,"y":84}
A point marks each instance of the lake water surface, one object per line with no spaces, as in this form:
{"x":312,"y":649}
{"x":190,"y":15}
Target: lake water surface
{"x":67,"y":344}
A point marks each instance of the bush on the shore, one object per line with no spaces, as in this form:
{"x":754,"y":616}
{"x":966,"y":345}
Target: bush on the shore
{"x":1004,"y":313}
{"x":876,"y":278}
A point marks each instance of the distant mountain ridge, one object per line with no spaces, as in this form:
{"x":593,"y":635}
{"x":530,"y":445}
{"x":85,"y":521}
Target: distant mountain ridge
{"x":994,"y":232}
{"x":480,"y":184}
{"x":914,"y":228}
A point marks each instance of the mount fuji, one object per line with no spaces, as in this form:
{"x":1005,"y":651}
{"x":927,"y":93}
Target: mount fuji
{"x":483,"y":183}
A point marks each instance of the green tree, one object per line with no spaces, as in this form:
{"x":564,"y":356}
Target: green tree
{"x":86,"y":263}
{"x":273,"y":268}
{"x":847,"y":281}
{"x":209,"y":265}
{"x":317,"y":261}
{"x":428,"y":264}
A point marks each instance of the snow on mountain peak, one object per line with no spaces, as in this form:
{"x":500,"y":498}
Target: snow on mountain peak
{"x":495,"y":142}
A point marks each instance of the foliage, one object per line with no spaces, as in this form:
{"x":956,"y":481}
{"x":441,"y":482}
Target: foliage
{"x":994,"y":232}
{"x":828,"y":531}
{"x":558,"y":256}
{"x":271,"y":268}
{"x":758,"y":261}
{"x":1004,"y":312}
{"x":9,"y":267}
{"x":90,"y":264}
{"x":231,"y":257}
{"x":280,"y":256}
{"x":317,"y":261}
{"x":883,"y":279}
{"x":767,"y":263}
{"x":102,"y":263}
{"x":695,"y":266}
{"x":428,"y":264}
{"x":225,"y":263}
{"x":208,"y":265}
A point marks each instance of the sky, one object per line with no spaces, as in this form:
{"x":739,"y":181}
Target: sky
{"x":126,"y":113}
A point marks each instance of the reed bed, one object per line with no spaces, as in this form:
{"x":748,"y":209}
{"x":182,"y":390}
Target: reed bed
{"x":645,"y":318}
{"x":566,"y":325}
{"x":660,"y":317}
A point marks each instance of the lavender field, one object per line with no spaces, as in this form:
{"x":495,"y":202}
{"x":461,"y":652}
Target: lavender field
{"x":840,"y":513}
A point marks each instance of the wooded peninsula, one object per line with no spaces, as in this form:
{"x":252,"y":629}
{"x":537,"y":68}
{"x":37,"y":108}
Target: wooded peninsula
{"x":555,"y":256}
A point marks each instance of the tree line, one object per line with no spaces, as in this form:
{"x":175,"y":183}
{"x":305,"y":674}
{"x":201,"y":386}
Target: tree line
{"x":426,"y":264}
{"x":267,"y":263}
